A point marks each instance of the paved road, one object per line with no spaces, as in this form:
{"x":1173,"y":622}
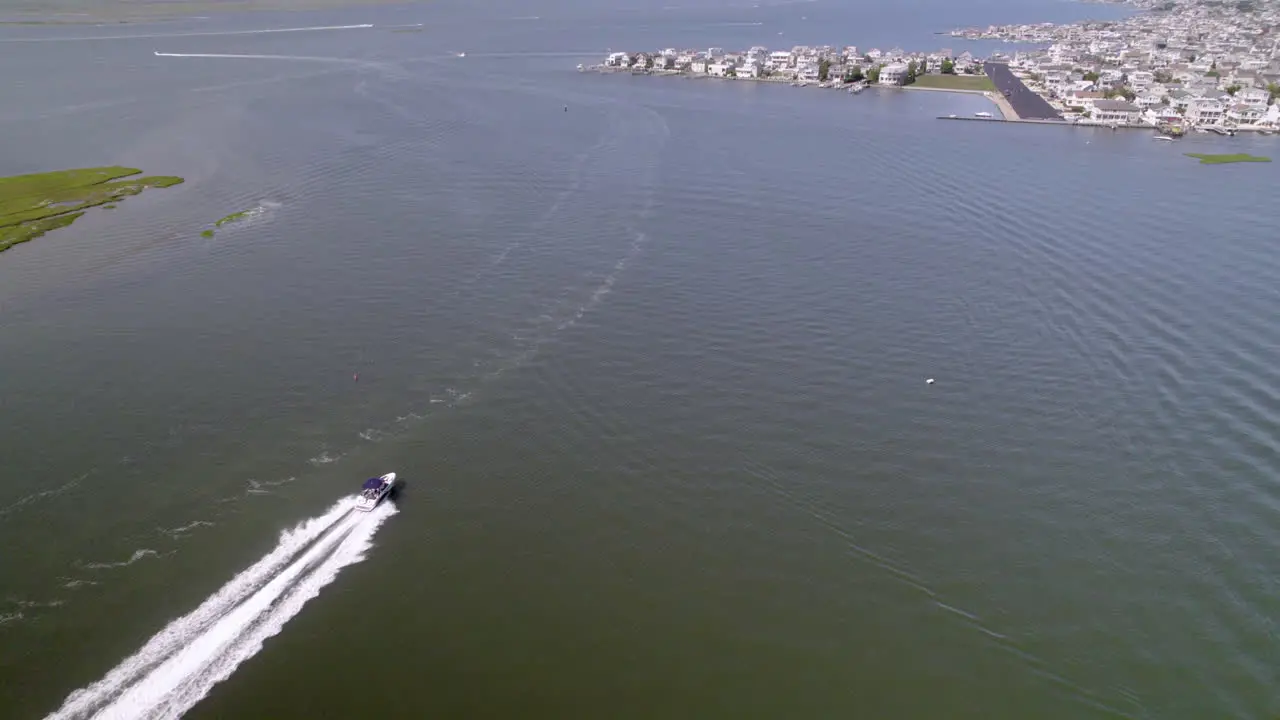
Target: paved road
{"x":1027,"y":104}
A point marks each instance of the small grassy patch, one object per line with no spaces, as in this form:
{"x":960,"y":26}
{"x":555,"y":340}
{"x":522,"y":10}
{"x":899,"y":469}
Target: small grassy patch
{"x":1206,"y":159}
{"x":232,"y":218}
{"x":954,"y":82}
{"x":31,"y":205}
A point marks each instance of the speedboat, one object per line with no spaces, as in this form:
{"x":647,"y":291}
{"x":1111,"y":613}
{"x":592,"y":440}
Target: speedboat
{"x":1164,"y":137}
{"x":374,"y":490}
{"x":982,"y":114}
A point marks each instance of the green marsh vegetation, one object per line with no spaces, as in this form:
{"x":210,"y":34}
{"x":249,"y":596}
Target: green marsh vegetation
{"x":233,"y":217}
{"x":32,"y":205}
{"x":1207,"y":159}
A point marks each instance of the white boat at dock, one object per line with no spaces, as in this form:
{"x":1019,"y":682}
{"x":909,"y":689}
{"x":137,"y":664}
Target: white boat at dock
{"x":982,"y":114}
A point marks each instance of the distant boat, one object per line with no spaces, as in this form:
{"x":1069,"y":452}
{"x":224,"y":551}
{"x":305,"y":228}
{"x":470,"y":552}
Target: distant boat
{"x":462,"y":54}
{"x":1163,"y":137}
{"x":982,"y":114}
{"x":579,"y":67}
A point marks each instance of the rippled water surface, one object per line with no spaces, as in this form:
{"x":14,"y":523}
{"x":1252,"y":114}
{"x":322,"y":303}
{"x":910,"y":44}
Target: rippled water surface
{"x":650,"y":356}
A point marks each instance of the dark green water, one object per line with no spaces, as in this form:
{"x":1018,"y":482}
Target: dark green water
{"x":653,"y":369}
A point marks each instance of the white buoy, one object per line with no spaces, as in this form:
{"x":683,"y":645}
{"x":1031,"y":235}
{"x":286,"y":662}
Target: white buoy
{"x":929,"y":381}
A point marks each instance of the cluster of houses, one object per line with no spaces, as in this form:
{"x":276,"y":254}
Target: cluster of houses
{"x":801,"y":63}
{"x":1191,"y":64}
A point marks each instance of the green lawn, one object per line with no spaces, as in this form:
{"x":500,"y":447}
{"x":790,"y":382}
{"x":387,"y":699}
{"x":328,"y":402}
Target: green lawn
{"x":1224,"y":159}
{"x":31,"y":205}
{"x":955,"y":82}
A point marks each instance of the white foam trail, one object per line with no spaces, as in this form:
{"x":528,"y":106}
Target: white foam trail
{"x":183,"y":530}
{"x":182,"y":680}
{"x":190,"y":34}
{"x":135,"y":557}
{"x":35,"y":497}
{"x":178,"y":665}
{"x":258,"y":57}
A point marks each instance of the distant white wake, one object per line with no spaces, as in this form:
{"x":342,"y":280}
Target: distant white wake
{"x":253,"y":57}
{"x":181,"y":663}
{"x":212,"y":33}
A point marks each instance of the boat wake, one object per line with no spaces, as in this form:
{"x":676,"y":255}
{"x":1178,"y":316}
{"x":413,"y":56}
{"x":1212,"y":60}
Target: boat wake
{"x":181,"y":663}
{"x":135,"y":36}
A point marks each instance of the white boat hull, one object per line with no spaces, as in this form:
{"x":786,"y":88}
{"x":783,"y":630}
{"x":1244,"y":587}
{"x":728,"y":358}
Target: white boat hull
{"x":371,"y":497}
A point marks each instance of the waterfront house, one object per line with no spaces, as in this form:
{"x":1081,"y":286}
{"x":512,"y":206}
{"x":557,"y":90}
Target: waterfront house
{"x":718,"y":69}
{"x":1084,"y":98}
{"x":1242,"y":114}
{"x":1149,"y":99}
{"x":1180,"y":99}
{"x":750,"y":68}
{"x":1168,"y":116}
{"x":807,"y":71}
{"x":618,"y":59}
{"x":1256,"y":97}
{"x":699,"y":66}
{"x":1270,"y":118}
{"x":1115,"y":111}
{"x":895,"y":74}
{"x":779,"y":60}
{"x":1206,"y":111}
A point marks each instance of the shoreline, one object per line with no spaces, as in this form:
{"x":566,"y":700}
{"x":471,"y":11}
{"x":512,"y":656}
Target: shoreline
{"x":1008,"y":114}
{"x":1006,"y":110}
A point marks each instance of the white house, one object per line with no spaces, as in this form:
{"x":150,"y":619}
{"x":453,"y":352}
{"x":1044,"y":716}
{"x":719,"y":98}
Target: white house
{"x":1271,"y":118}
{"x":1206,"y":112}
{"x":1149,"y":99}
{"x":895,"y":74}
{"x":718,"y":69}
{"x":779,"y":59}
{"x":1117,"y":111}
{"x":1084,"y":98}
{"x":751,"y":67}
{"x":1244,"y":114}
{"x":1140,"y":80}
{"x":1168,"y":115}
{"x":699,"y":65}
{"x":808,"y":72}
{"x":1181,"y":99}
{"x":1253,"y":96}
{"x":618,"y":59}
